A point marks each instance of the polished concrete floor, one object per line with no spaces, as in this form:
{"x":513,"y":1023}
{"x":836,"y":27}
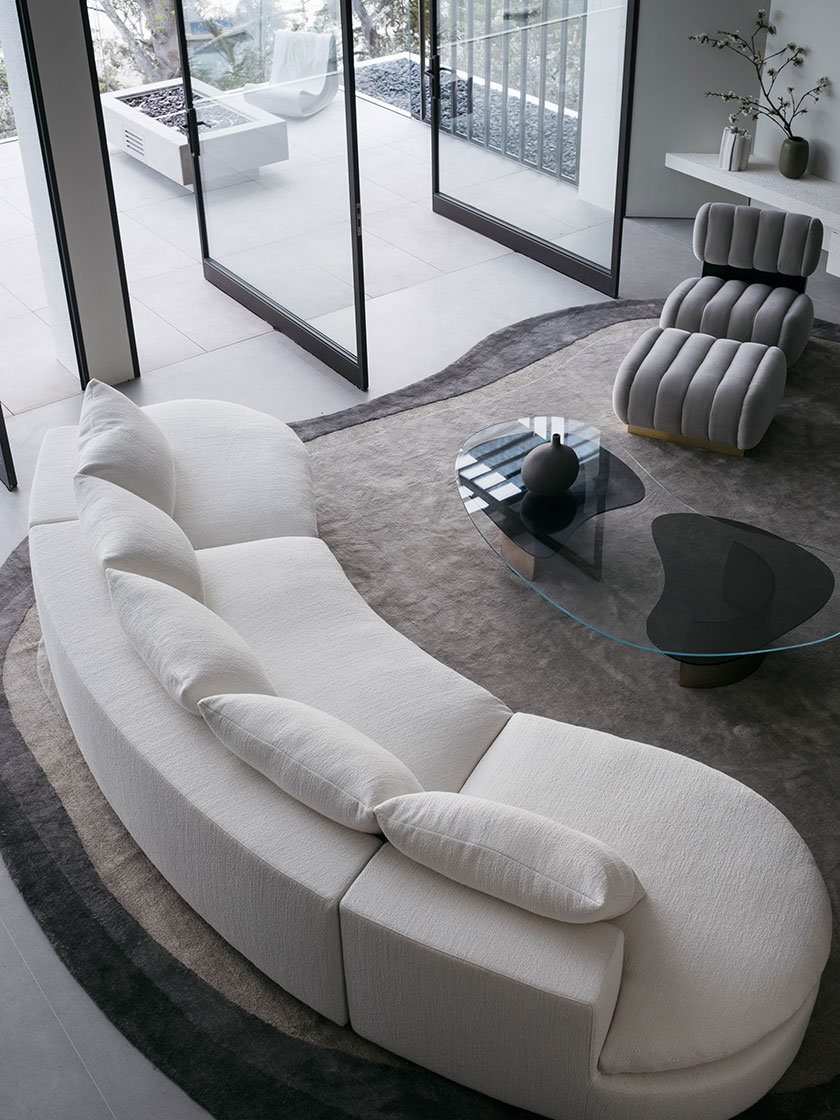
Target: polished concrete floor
{"x":60,"y":1059}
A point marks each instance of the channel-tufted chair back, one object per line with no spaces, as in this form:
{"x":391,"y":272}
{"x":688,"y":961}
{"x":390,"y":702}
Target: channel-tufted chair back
{"x":755,"y":264}
{"x":744,"y":237}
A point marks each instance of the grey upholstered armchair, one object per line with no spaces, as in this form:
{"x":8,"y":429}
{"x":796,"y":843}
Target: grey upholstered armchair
{"x":752,"y":289}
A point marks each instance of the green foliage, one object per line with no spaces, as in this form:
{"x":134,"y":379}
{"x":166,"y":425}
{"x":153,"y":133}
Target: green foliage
{"x":782,"y":106}
{"x":8,"y":129}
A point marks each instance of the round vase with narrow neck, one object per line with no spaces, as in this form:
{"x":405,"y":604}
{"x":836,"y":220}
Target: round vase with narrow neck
{"x":793,"y":157}
{"x":550,"y":469}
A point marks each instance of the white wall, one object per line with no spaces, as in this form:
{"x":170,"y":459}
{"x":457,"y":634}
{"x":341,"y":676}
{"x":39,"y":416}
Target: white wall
{"x":670,"y":111}
{"x":814,"y":24}
{"x":603,"y":70}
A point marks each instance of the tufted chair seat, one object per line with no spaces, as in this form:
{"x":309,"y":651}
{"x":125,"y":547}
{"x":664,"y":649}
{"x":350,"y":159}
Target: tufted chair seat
{"x":752,"y":289}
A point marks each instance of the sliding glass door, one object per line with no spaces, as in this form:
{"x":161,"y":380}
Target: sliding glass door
{"x":530,"y":103}
{"x":271,"y":119}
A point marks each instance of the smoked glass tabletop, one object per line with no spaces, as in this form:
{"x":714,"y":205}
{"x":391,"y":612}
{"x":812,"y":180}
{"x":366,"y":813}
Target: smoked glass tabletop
{"x":624,"y":556}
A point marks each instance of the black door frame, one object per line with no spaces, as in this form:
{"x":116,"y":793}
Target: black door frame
{"x":353,"y":367}
{"x":604,"y":280}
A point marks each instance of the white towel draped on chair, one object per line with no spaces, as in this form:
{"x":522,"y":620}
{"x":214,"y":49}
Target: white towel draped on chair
{"x":304,"y":75}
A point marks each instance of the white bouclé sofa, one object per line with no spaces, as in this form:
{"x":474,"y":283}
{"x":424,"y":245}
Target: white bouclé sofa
{"x":583,"y":926}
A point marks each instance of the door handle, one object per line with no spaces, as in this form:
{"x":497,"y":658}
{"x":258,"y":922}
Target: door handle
{"x":434,"y":70}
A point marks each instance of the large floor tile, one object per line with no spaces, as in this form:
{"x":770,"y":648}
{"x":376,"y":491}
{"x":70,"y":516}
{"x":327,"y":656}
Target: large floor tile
{"x":13,"y":223}
{"x":10,"y":305}
{"x":551,"y":196}
{"x":594,"y":243}
{"x":679,"y":229}
{"x":173,"y":219}
{"x":825,"y":286}
{"x":135,"y":184}
{"x":20,"y":272}
{"x":321,"y":182}
{"x":463,"y":164}
{"x":483,"y":196}
{"x":499,"y":292}
{"x":269,"y":209}
{"x":42,"y":1076}
{"x":290,"y":280}
{"x":200,"y":311}
{"x":268,"y":372}
{"x":10,"y":159}
{"x":653,"y":262}
{"x":435,"y":239}
{"x":385,"y":124}
{"x":146,"y":253}
{"x":119,"y":1081}
{"x":406,"y":176}
{"x":30,"y":376}
{"x":14,"y":191}
{"x":387,"y":268}
{"x":830,"y":312}
{"x":325,"y":137}
{"x":404,"y":343}
{"x":159,"y":343}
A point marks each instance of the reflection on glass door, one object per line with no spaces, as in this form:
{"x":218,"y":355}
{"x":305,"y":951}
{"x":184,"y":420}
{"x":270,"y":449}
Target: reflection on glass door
{"x":271,"y":89}
{"x":530,"y":113}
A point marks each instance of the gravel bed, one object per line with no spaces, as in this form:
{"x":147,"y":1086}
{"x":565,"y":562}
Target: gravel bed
{"x":397,"y":83}
{"x":167,"y":106}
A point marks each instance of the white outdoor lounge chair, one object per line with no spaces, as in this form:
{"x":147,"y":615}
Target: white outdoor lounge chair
{"x":304,"y":75}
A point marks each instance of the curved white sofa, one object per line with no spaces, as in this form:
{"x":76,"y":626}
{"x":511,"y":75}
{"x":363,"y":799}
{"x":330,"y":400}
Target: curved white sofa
{"x":690,"y":1002}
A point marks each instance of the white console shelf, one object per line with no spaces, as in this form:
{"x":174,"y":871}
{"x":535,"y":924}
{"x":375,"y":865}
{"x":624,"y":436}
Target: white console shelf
{"x":763,"y":182}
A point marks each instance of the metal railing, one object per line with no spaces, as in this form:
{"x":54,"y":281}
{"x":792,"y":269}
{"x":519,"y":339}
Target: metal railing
{"x":516,"y":90}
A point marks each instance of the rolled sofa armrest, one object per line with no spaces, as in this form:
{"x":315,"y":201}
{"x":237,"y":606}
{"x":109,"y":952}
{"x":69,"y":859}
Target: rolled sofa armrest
{"x":527,"y":1000}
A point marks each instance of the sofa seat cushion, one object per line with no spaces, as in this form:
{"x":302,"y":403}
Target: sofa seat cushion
{"x":321,"y":644}
{"x":733,"y":933}
{"x":239,"y":474}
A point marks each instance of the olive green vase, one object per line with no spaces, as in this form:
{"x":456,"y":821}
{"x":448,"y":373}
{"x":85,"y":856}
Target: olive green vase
{"x":793,"y":157}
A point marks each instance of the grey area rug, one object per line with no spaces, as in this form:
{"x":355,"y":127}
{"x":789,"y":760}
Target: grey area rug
{"x":389,"y":508}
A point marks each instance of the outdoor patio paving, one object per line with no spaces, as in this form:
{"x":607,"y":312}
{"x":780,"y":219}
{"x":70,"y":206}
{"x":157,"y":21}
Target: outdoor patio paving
{"x":288,"y":231}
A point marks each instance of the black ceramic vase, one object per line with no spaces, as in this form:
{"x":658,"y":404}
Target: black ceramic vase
{"x":793,"y":157}
{"x":550,"y":469}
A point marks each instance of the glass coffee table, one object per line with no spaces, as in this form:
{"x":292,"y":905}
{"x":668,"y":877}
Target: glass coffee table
{"x":621,"y":554}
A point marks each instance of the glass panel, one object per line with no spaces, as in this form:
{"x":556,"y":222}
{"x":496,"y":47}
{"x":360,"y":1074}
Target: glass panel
{"x":613,"y":548}
{"x":274,"y":161}
{"x":531,"y":96}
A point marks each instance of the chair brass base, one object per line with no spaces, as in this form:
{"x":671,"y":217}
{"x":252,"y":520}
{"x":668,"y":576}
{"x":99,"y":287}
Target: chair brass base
{"x":688,"y":441}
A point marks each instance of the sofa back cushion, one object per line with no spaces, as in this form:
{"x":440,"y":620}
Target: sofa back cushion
{"x":314,"y":757}
{"x":126,"y":532}
{"x":513,"y":854}
{"x":191,"y":651}
{"x":119,"y":442}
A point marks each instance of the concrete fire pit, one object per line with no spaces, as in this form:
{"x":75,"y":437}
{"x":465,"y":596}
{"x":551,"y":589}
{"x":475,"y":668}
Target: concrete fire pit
{"x":236,"y":138}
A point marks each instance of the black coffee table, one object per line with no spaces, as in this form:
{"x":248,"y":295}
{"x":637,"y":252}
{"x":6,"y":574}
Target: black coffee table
{"x":624,"y":556}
